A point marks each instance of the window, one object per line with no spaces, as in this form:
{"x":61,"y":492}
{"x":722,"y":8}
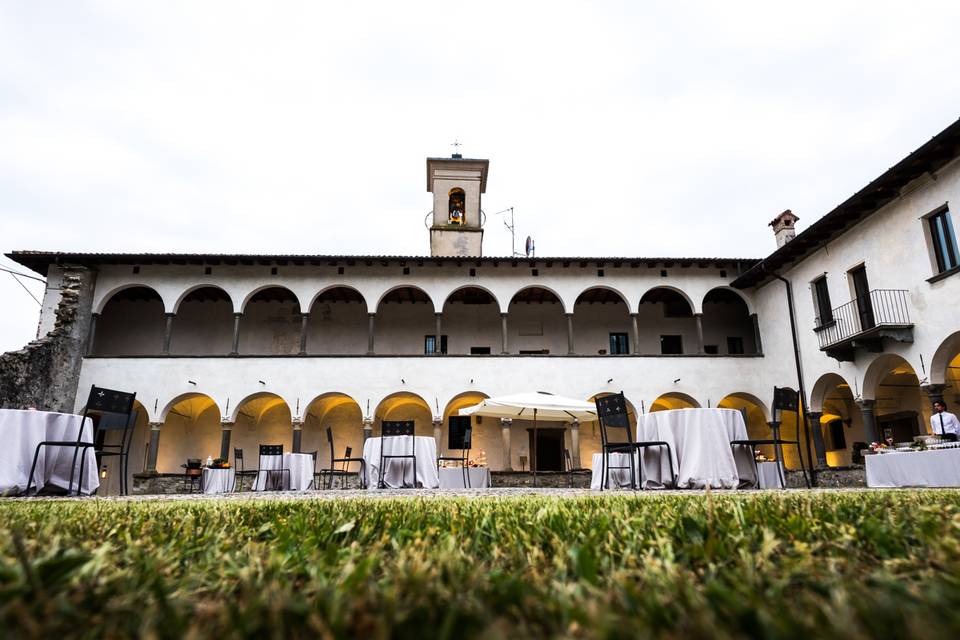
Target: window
{"x":619,"y":344}
{"x":671,"y":345}
{"x":430,"y":344}
{"x":944,"y":241}
{"x":711,"y":349}
{"x":735,"y":345}
{"x":479,"y":351}
{"x":821,"y":299}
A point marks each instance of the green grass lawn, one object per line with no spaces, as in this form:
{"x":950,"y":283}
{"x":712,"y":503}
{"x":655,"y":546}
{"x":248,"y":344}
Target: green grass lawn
{"x":785,"y":565}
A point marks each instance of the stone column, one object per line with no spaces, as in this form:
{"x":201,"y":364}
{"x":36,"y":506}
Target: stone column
{"x":869,"y":420}
{"x":297,"y":424}
{"x":370,"y":317}
{"x":154,"y":447}
{"x":93,"y":332}
{"x":236,"y":334}
{"x":634,"y":333}
{"x":436,"y":343}
{"x":699,"y":318}
{"x":756,"y":333}
{"x":570,"y":349}
{"x":818,"y":444}
{"x":304,"y":320}
{"x":505,"y":425}
{"x":503,"y":334}
{"x":226,"y":430}
{"x":167,"y":332}
{"x":438,"y":431}
{"x":575,"y":444}
{"x":367,"y":429}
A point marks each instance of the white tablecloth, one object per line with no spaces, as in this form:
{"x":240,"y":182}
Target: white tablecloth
{"x":699,"y":440}
{"x":769,"y":477}
{"x":452,"y":477}
{"x":914,"y":469}
{"x":218,"y":480}
{"x":617,"y":478}
{"x":300,"y":466}
{"x":394,"y":476}
{"x":21,"y":431}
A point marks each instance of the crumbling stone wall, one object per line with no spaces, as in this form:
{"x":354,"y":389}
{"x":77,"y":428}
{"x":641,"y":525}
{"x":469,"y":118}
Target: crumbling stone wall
{"x":45,"y":373}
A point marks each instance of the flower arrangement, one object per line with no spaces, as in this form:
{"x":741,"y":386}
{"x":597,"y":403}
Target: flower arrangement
{"x":219,"y":463}
{"x":878,"y":447}
{"x":761,"y":458}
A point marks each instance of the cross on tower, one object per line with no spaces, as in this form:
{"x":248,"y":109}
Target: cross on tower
{"x":456,"y":148}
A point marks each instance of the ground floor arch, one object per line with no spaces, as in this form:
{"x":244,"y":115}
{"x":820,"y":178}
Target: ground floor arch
{"x":263,"y":418}
{"x":343,"y":416}
{"x":674,"y":400}
{"x":190,"y":429}
{"x":403,"y":406}
{"x":900,"y":407}
{"x":487,"y":436}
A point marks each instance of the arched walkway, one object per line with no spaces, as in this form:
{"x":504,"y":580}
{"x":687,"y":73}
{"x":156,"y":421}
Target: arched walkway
{"x":139,"y":440}
{"x":674,"y":400}
{"x":601,"y":323}
{"x":338,"y":323}
{"x":756,"y":415}
{"x":131,"y":324}
{"x":536,"y":324}
{"x":590,"y":439}
{"x":486,"y":431}
{"x":471,"y":322}
{"x":191,"y":429}
{"x":340,"y":413}
{"x":902,"y":409}
{"x":666,"y":324}
{"x":203,"y":324}
{"x":945,"y":362}
{"x":727,"y":326}
{"x":841,"y":421}
{"x":404,"y":405}
{"x":270,"y":325}
{"x":262,"y":418}
{"x":405,"y":317}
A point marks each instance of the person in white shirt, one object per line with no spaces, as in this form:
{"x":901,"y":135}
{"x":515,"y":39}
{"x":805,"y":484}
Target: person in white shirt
{"x":943,"y":422}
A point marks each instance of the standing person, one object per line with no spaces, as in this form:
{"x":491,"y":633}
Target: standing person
{"x":943,"y":422}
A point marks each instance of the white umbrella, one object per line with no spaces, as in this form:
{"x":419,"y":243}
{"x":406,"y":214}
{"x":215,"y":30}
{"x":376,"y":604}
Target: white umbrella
{"x":537,"y":405}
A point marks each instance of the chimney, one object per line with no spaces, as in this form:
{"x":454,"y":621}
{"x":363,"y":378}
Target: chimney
{"x":783,"y":227}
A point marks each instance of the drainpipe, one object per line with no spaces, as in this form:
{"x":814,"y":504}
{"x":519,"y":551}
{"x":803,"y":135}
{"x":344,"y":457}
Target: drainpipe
{"x":796,"y":359}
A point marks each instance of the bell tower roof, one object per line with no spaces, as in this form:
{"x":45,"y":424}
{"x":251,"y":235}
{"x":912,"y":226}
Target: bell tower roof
{"x":443,"y":167}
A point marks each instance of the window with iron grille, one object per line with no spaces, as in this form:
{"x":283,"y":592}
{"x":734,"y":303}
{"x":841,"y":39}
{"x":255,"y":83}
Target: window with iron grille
{"x":619,"y":344}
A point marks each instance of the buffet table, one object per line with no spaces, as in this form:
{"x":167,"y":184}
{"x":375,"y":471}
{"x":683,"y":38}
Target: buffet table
{"x":21,"y":432}
{"x":218,"y":480}
{"x":699,"y":440}
{"x":300,"y":477}
{"x":399,"y":471}
{"x":932,"y":468}
{"x":452,"y":477}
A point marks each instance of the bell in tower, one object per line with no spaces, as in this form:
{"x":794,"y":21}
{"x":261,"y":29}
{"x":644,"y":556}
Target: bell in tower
{"x":456,"y":184}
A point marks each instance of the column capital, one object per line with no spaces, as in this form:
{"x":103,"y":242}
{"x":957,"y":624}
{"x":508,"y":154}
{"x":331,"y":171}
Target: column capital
{"x":238,"y":314}
{"x":437,"y":314}
{"x":437,"y":420}
{"x":506,"y":422}
{"x":634,"y":314}
{"x":569,"y":314}
{"x":933,"y":391}
{"x":367,"y":422}
{"x":371,"y":314}
{"x":226,"y":424}
{"x":815,"y":414}
{"x":296,"y":422}
{"x":503,"y":314}
{"x":155,"y":426}
{"x":866,"y":404}
{"x":169,"y":314}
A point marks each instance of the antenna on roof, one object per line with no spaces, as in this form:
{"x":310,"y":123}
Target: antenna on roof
{"x":531,"y":249}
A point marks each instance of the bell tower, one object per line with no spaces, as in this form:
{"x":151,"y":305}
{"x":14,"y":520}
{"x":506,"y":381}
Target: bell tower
{"x":456,"y":184}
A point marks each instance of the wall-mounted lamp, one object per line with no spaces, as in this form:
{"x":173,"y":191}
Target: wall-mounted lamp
{"x":103,"y":473}
{"x":402,"y":381}
{"x":262,"y":382}
{"x":676,"y":381}
{"x":610,"y":380}
{"x":471,"y":380}
{"x":192,"y":382}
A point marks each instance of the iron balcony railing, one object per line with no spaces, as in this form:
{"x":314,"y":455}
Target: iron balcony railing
{"x":881,"y":308}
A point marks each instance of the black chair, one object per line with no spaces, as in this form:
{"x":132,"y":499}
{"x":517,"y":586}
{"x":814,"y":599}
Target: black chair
{"x":192,"y":475}
{"x":101,"y":402}
{"x":783,"y":399}
{"x":612,"y":414}
{"x":272,"y":475}
{"x":239,"y":470}
{"x":391,"y":429}
{"x":114,"y":422}
{"x":459,"y":437}
{"x":344,"y":469}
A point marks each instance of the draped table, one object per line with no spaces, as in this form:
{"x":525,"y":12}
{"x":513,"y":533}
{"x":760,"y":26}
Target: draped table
{"x":398,"y":469}
{"x":699,"y":441}
{"x":617,"y":478}
{"x":21,"y":432}
{"x":300,"y":466}
{"x":932,"y":468}
{"x":218,"y":480}
{"x":452,"y":477}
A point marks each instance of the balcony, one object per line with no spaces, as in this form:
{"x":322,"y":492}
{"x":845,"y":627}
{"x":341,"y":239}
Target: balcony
{"x":865,"y":323}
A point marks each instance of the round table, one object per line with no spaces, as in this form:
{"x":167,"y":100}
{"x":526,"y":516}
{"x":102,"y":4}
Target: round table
{"x":299,"y":465}
{"x":218,"y":480}
{"x":22,"y":430}
{"x":400,"y":471}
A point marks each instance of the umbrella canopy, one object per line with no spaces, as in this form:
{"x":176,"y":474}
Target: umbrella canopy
{"x":522,"y":405}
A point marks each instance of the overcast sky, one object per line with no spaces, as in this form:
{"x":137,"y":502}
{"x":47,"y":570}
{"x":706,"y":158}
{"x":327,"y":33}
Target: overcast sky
{"x":611,"y":128}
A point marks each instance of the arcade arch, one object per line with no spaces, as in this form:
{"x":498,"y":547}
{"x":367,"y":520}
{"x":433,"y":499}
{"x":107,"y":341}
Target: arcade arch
{"x":666,"y":324}
{"x":405,"y":317}
{"x":343,"y":416}
{"x":191,"y":429}
{"x":270,"y":325}
{"x":536,"y":323}
{"x":727,"y":325}
{"x":261,"y":418}
{"x":338,"y":322}
{"x":471,"y":322}
{"x":404,"y":405}
{"x":674,"y":400}
{"x":601,"y":323}
{"x":131,"y":323}
{"x":204,"y":323}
